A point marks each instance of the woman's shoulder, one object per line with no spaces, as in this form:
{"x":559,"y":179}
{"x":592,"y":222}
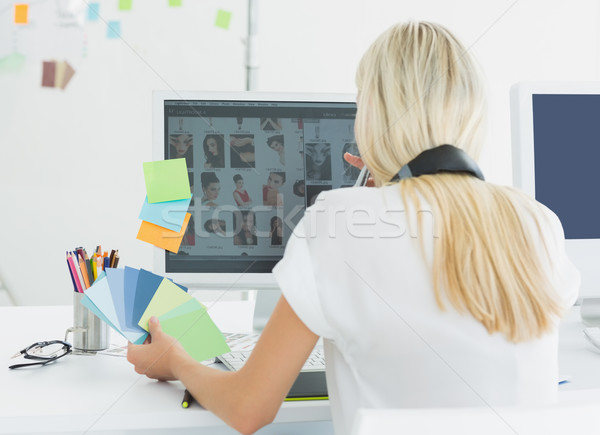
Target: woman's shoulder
{"x":377,"y":197}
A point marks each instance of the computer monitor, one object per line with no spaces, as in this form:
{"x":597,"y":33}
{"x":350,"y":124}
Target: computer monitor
{"x":255,"y":161}
{"x":556,"y":152}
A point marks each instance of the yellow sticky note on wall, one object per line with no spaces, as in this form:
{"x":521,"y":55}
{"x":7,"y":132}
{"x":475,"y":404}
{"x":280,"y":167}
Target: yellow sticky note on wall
{"x":223,"y":19}
{"x":21,"y":13}
{"x":162,"y":237}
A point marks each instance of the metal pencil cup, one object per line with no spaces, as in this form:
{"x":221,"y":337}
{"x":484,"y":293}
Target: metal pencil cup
{"x":90,"y":333}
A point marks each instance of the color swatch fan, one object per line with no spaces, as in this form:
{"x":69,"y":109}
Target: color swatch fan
{"x":127,"y":298}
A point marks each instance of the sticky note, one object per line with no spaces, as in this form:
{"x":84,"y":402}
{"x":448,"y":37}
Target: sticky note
{"x":48,"y":74}
{"x":166,"y":180}
{"x":167,"y":297}
{"x":93,"y":12}
{"x":162,"y":237}
{"x":175,"y":3}
{"x":21,"y":13}
{"x":113,"y":30}
{"x":125,"y":5}
{"x":67,"y":72}
{"x":196,"y":332}
{"x":12,"y":63}
{"x":223,"y":19}
{"x":169,"y":214}
{"x":59,"y":73}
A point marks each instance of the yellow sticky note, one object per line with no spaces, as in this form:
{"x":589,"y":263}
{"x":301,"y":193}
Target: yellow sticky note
{"x":167,"y":297}
{"x":125,"y":5}
{"x":162,"y":237}
{"x":166,"y":180}
{"x":223,"y":19}
{"x":21,"y":14}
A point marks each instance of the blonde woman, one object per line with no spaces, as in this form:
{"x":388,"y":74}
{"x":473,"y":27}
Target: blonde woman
{"x":450,"y":297}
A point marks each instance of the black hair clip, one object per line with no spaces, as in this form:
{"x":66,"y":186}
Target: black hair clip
{"x":443,"y":158}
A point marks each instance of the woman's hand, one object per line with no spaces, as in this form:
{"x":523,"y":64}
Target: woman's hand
{"x":357,"y":162}
{"x":158,"y":356}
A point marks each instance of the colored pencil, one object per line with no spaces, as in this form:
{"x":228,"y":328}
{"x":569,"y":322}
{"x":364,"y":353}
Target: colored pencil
{"x":71,"y":273}
{"x":77,"y":274}
{"x":84,"y":273}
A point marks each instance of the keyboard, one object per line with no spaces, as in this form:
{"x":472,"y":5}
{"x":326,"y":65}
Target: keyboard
{"x":242,"y":345}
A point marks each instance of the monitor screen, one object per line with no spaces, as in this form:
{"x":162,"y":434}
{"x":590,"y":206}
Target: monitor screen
{"x":566,"y":138}
{"x":556,"y":147}
{"x":255,"y":162}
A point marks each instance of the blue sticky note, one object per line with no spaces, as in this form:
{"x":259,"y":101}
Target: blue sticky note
{"x":93,"y":12}
{"x":113,"y":30}
{"x":168,"y":214}
{"x":129,"y":287}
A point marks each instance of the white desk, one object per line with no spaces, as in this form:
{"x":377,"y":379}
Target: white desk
{"x":103,"y":394}
{"x":579,"y":361}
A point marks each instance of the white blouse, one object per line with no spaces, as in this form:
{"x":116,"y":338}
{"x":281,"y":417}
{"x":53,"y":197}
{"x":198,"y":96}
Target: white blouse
{"x":355,"y":274}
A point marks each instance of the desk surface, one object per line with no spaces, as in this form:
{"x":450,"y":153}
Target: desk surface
{"x":103,"y":394}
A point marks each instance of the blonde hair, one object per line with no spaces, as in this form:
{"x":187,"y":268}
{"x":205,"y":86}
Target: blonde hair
{"x":418,"y":89}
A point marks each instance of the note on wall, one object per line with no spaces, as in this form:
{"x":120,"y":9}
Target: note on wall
{"x":125,"y":5}
{"x":21,"y":13}
{"x":175,"y":3}
{"x":93,"y":11}
{"x":223,"y":19}
{"x":56,"y":74}
{"x":48,"y":73}
{"x":113,"y":30}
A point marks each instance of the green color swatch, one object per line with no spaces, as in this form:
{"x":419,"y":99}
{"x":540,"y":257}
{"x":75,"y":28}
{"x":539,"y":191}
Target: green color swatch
{"x":196,"y":332}
{"x":166,"y":297}
{"x":223,"y":19}
{"x":125,"y":5}
{"x":185,"y":308}
{"x":175,"y":3}
{"x":166,"y":180}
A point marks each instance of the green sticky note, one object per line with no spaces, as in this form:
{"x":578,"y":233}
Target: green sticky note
{"x":125,"y":5}
{"x":223,"y":19}
{"x":167,"y":296}
{"x":174,"y":3}
{"x":197,"y":333}
{"x":166,"y":180}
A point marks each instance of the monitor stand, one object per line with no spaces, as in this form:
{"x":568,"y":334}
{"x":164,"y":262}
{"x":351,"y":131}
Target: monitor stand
{"x":590,"y":311}
{"x":264,"y":306}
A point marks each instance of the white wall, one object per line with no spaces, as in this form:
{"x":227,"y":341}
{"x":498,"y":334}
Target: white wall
{"x":71,"y":161}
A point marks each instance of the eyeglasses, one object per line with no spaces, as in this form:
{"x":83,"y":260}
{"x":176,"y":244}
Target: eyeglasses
{"x":45,"y":352}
